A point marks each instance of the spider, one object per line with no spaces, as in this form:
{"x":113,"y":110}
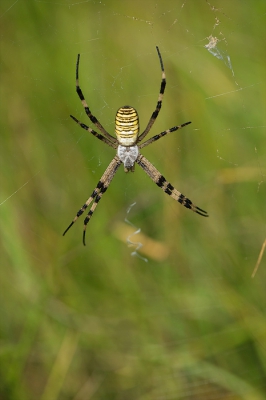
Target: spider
{"x":127,"y":145}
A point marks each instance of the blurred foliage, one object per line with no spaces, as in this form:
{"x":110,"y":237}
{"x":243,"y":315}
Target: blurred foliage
{"x":98,"y":322}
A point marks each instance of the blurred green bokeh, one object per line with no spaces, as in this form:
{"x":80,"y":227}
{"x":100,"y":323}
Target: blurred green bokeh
{"x":97,"y":322}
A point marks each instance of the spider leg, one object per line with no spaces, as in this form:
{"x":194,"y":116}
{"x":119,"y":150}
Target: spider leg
{"x":96,"y":195}
{"x":159,"y":102}
{"x":96,"y":134}
{"x":93,"y":119}
{"x":156,"y":137}
{"x":159,"y":179}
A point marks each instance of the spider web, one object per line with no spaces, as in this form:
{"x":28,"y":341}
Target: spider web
{"x":99,"y":322}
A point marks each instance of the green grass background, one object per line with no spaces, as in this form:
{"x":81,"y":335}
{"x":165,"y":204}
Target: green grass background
{"x":96,"y":322}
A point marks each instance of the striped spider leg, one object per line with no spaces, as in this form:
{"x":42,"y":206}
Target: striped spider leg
{"x":96,"y":195}
{"x":96,"y":134}
{"x":160,"y":181}
{"x":159,"y":102}
{"x":93,"y":119}
{"x":127,"y":144}
{"x":160,"y":135}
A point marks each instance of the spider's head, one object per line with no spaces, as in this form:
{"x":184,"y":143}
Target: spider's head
{"x":127,"y":126}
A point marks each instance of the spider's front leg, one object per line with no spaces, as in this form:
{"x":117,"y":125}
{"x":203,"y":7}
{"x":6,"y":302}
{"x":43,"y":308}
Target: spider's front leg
{"x":96,"y":195}
{"x":160,"y":181}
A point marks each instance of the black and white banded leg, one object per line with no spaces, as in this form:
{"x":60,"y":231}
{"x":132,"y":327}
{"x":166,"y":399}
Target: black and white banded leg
{"x":159,"y":102}
{"x":162,"y":134}
{"x":93,"y":119}
{"x":96,"y":195}
{"x":96,"y":134}
{"x":160,"y":181}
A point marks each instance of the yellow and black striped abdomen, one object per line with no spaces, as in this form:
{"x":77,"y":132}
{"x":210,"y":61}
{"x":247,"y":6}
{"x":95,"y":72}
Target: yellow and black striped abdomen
{"x":127,"y":126}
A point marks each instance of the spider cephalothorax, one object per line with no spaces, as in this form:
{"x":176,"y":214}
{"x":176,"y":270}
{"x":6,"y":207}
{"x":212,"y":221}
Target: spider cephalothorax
{"x":127,"y":143}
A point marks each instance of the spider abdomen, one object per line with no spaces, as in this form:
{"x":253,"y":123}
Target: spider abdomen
{"x":127,"y":126}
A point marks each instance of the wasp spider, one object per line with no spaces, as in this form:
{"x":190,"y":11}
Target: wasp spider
{"x":127,"y":145}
